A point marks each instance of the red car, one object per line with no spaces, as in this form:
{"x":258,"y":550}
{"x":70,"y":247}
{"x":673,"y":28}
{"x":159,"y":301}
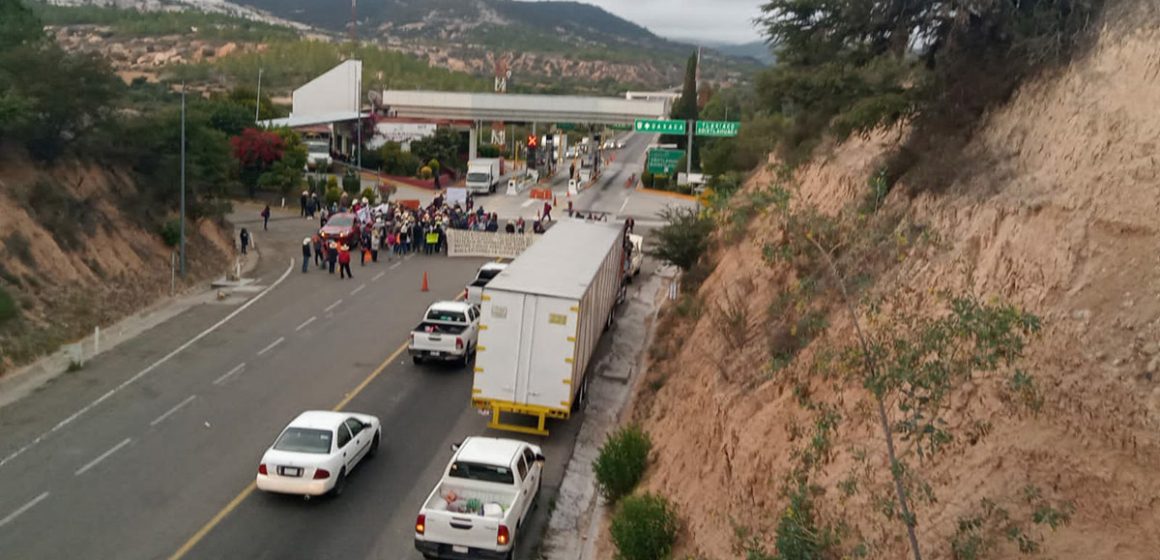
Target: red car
{"x":342,"y":228}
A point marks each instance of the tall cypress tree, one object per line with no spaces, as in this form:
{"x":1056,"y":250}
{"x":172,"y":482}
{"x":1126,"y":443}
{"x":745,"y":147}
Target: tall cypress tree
{"x":685,"y":108}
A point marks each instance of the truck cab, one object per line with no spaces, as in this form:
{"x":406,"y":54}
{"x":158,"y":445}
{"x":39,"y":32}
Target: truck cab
{"x":474,"y":292}
{"x":480,"y":505}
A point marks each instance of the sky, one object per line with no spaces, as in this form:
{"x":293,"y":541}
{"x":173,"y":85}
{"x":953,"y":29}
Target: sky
{"x":724,"y":21}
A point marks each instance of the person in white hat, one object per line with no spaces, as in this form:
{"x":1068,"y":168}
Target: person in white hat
{"x":305,"y":254}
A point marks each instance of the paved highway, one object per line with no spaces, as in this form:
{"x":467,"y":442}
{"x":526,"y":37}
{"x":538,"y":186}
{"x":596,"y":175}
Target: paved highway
{"x":150,"y":451}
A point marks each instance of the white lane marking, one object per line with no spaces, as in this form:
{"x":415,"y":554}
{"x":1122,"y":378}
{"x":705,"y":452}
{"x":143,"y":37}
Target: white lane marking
{"x":272,"y":345}
{"x":12,"y":516}
{"x":396,"y":265}
{"x":379,"y":275}
{"x":103,"y":456}
{"x":146,"y":371}
{"x":528,"y":203}
{"x":358,"y":289}
{"x":623,"y":205}
{"x":304,"y":323}
{"x":332,"y":306}
{"x":229,"y":373}
{"x":170,"y":412}
{"x":409,"y":257}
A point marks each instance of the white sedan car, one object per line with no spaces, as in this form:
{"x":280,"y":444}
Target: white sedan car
{"x":317,"y":451}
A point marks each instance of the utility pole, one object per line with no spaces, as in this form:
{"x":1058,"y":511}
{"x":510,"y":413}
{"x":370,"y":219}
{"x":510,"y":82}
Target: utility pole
{"x":257,"y":101}
{"x":690,"y":124}
{"x":182,"y":221}
{"x":358,"y":107}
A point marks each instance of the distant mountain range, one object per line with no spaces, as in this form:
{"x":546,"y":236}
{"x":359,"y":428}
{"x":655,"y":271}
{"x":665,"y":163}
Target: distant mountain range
{"x":548,"y":45}
{"x":757,"y":50}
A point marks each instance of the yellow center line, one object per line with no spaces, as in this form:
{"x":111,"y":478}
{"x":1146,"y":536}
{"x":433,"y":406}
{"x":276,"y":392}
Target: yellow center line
{"x":249,"y":489}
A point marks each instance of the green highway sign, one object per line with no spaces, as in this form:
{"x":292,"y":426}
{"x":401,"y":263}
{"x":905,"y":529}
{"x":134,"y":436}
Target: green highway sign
{"x":664,"y":162}
{"x":658,"y":126}
{"x":717,"y":128}
{"x":566,"y":126}
{"x":620,"y":126}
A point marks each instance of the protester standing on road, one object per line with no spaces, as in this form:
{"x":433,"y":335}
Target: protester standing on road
{"x":547,"y":211}
{"x":245,"y":239}
{"x":318,"y":256}
{"x":305,"y":254}
{"x":266,"y":218}
{"x":302,"y":202}
{"x":376,"y":240}
{"x":332,"y":255}
{"x":344,"y":263}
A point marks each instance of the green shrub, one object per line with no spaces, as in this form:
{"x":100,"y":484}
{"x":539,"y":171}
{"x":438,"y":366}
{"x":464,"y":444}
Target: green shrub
{"x":171,"y":232}
{"x":369,"y":194}
{"x":622,"y":461}
{"x":351,"y":182}
{"x":644,"y":528}
{"x":683,"y":239}
{"x":333,"y":194}
{"x":8,"y":308}
{"x":646,"y":179}
{"x":489,"y":151}
{"x":425,"y":172}
{"x":434,"y":165}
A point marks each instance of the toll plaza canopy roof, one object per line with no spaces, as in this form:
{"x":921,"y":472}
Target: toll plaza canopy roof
{"x":297,"y":121}
{"x":511,"y":107}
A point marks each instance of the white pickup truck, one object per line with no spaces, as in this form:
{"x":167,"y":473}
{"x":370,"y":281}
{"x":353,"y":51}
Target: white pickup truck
{"x":482,"y":501}
{"x":474,"y":292}
{"x":449,"y":332}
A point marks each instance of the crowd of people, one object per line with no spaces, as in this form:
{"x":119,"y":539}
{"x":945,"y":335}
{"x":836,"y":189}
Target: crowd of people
{"x":395,"y":229}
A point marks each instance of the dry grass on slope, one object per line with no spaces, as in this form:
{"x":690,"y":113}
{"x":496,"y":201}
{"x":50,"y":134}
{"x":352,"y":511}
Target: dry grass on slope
{"x":73,"y":258}
{"x":1056,"y":217}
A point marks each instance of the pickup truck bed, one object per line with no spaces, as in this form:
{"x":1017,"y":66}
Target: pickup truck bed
{"x":440,"y":328}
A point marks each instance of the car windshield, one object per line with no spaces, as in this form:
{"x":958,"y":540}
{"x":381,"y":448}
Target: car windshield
{"x":318,"y":147}
{"x":446,"y":316}
{"x":482,"y":473}
{"x":303,"y":440}
{"x":477,"y":177}
{"x":340,"y":221}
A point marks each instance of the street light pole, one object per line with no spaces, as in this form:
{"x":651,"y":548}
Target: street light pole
{"x":182,"y":221}
{"x":258,"y":100}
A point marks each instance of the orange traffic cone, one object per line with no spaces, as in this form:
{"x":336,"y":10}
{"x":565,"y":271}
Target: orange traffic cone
{"x":554,"y":204}
{"x":425,"y":289}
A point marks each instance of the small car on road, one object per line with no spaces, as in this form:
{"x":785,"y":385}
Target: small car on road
{"x":341,"y":228}
{"x":316,"y":452}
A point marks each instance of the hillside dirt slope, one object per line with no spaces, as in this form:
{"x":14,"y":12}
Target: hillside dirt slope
{"x":73,"y":256}
{"x":1056,"y":213}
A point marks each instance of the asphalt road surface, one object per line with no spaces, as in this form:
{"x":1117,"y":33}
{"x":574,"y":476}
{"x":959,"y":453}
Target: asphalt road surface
{"x":151,"y":450}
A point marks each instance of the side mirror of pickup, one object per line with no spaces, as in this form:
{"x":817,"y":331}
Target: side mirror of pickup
{"x":540,"y":458}
{"x":454,"y":447}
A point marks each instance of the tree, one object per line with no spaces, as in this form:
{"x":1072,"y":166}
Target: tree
{"x":247,"y":97}
{"x":444,"y":146}
{"x":850,"y":66}
{"x":230,"y":117}
{"x":685,"y":108}
{"x":397,"y":162}
{"x":255,"y":151}
{"x":39,"y":106}
{"x":684,"y":238}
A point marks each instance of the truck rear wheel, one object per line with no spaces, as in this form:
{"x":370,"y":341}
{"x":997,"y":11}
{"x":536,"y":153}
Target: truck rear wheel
{"x":417,"y":360}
